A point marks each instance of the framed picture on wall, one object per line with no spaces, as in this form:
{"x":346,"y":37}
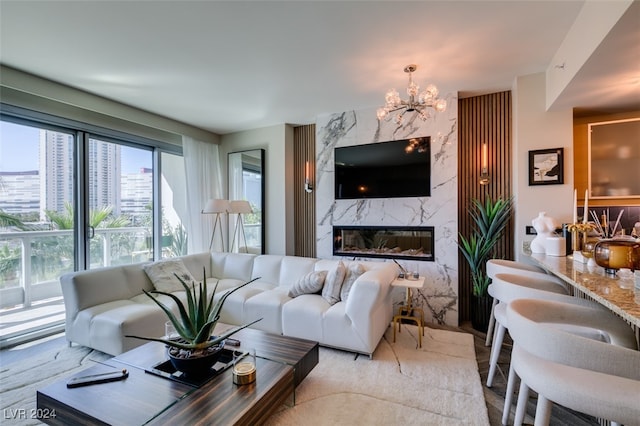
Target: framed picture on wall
{"x":546,"y":166}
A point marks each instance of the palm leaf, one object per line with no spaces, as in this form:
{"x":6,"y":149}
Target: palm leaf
{"x":490,"y":219}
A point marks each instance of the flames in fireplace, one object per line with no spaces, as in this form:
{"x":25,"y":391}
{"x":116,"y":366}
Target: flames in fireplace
{"x":414,"y":243}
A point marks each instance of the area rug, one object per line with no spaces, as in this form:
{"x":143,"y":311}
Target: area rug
{"x":437,"y":384}
{"x":20,"y":380}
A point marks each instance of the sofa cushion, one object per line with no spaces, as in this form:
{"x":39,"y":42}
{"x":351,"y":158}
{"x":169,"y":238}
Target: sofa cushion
{"x":293,"y":268}
{"x":232,"y":265}
{"x":308,"y":284}
{"x":333,"y":283}
{"x":268,"y":306}
{"x":198,"y":264}
{"x":267,"y":268}
{"x":354,"y":270}
{"x":162,"y":275}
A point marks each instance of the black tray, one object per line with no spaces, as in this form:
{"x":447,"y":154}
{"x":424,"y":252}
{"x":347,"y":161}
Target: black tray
{"x":167,"y":370}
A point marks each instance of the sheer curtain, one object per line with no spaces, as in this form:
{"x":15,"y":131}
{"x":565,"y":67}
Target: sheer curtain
{"x":202,"y":169}
{"x":236,"y":191}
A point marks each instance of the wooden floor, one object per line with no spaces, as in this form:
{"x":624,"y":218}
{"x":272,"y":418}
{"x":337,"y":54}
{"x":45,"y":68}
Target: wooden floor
{"x":494,"y":396}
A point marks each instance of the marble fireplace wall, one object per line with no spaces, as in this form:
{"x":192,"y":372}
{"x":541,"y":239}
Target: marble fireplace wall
{"x":439,"y":298}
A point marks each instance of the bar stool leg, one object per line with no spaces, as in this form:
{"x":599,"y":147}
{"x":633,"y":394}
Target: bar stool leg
{"x":511,"y":383}
{"x":498,"y":338}
{"x":492,"y":320}
{"x":521,"y":406}
{"x":543,"y":411}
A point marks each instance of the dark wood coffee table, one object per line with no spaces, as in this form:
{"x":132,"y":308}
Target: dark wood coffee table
{"x":143,"y":398}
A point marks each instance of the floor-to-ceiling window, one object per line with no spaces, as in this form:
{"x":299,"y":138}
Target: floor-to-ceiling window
{"x":36,"y":212}
{"x":120,"y":201}
{"x":72,"y":198}
{"x":173,"y":193}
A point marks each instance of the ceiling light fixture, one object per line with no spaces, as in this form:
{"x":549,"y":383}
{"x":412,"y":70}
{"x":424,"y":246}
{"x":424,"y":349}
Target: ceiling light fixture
{"x":418,"y":144}
{"x":420,"y":102}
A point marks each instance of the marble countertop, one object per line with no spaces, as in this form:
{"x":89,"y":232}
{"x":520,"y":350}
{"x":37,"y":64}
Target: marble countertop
{"x":615,"y":292}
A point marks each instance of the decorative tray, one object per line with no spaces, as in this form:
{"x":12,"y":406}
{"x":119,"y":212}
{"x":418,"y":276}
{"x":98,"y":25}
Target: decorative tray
{"x":167,"y":370}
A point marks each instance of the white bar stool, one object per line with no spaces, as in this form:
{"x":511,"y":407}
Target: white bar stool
{"x":504,"y":266}
{"x":585,"y":375}
{"x":509,"y":287}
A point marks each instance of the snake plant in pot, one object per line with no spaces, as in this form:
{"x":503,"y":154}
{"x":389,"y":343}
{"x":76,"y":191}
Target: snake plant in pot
{"x":195,"y":350}
{"x":490,"y":218}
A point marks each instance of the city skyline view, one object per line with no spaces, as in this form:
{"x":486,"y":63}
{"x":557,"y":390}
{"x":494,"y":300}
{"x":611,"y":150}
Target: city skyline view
{"x":37,"y":173}
{"x":19,"y":147}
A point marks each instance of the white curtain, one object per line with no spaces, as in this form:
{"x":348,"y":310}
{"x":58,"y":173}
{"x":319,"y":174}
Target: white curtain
{"x":236,"y":190}
{"x":202,"y":169}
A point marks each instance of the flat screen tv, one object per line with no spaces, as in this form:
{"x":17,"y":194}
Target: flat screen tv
{"x":382,"y":170}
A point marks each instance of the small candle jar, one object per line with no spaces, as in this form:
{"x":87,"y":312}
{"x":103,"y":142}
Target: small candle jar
{"x":244,"y":367}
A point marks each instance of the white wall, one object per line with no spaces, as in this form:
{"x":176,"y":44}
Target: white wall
{"x":534,"y":128}
{"x":277,"y":141}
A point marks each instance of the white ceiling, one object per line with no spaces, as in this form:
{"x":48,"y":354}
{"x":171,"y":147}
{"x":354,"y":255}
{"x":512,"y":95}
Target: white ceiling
{"x":230,"y":66}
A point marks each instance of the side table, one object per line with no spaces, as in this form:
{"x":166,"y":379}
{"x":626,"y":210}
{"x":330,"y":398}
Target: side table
{"x":408,"y":311}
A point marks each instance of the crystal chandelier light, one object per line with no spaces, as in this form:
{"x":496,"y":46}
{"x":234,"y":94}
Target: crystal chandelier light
{"x":420,"y":102}
{"x":418,"y":144}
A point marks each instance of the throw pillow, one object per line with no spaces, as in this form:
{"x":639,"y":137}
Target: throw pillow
{"x":353,"y":272}
{"x":309,"y":284}
{"x":162,"y":275}
{"x":333,"y":283}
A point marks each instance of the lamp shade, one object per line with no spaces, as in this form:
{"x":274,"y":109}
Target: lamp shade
{"x":216,"y":205}
{"x":240,"y":206}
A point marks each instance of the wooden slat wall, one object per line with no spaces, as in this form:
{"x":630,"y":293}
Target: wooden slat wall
{"x":304,"y":139}
{"x":482,"y":119}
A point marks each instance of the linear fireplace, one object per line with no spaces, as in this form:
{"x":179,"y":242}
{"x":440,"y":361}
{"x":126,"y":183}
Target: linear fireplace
{"x":391,"y":242}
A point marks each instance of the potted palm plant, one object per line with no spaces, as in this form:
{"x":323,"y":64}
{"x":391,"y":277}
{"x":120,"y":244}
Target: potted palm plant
{"x":196,"y":350}
{"x":490,"y":220}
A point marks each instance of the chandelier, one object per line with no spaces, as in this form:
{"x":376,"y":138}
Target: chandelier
{"x":418,"y":144}
{"x":420,"y":102}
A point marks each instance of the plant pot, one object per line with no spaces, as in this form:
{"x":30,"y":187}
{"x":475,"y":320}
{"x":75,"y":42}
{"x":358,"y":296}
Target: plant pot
{"x":481,"y":312}
{"x":197,"y":364}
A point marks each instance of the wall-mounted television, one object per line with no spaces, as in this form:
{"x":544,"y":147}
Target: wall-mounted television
{"x":383,"y":170}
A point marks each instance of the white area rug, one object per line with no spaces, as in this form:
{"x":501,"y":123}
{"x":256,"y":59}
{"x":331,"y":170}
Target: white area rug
{"x":437,"y":384}
{"x":20,"y":380}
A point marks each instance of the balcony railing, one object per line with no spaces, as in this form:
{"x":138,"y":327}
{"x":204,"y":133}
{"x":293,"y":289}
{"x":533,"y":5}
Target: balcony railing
{"x":31,"y":262}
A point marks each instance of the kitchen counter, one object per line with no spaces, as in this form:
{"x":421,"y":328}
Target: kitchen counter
{"x":615,"y":292}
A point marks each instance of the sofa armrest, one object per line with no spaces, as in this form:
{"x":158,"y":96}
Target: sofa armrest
{"x":369,"y":292}
{"x":84,"y":289}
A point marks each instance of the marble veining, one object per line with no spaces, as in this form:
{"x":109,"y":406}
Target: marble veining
{"x":439,"y":297}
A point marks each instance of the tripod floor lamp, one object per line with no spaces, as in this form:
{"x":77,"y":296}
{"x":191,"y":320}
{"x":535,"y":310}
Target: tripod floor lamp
{"x":239,"y":207}
{"x":216,"y":206}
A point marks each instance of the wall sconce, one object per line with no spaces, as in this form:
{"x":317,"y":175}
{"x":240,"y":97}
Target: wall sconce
{"x":484,"y":172}
{"x":307,"y":182}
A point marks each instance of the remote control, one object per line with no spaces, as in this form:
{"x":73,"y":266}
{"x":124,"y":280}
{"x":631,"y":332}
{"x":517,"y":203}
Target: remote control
{"x":97,"y":378}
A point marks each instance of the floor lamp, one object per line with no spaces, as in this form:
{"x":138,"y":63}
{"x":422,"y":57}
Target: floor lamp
{"x":216,"y":206}
{"x":239,"y":207}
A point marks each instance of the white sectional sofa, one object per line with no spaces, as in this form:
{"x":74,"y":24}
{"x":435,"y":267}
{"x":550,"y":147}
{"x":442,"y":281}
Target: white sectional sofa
{"x":105,"y":305}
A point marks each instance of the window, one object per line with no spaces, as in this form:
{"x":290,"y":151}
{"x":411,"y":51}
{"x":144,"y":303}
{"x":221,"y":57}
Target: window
{"x":76,"y":197}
